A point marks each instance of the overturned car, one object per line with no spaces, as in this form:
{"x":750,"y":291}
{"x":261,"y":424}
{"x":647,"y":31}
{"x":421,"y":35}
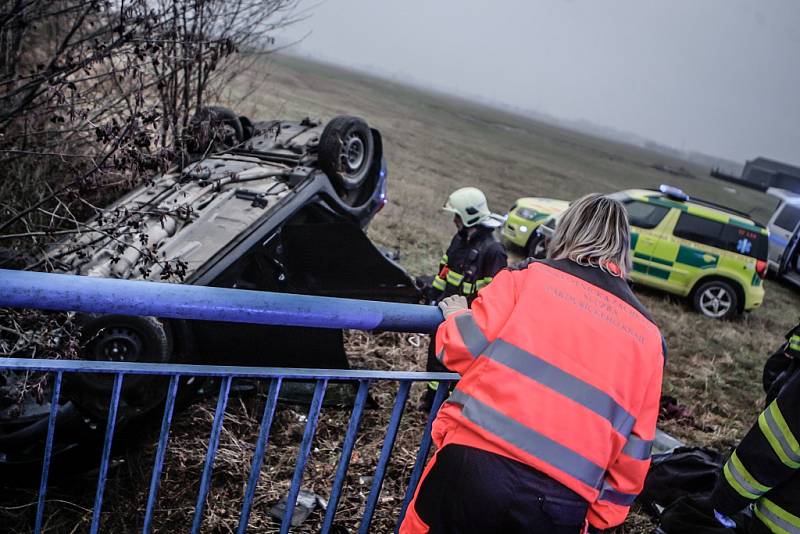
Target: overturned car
{"x":270,"y":206}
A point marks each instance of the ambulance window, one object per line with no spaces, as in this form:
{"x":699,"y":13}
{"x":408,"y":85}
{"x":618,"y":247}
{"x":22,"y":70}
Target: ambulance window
{"x":699,"y":229}
{"x":725,"y":236}
{"x":788,"y":217}
{"x":644,"y":214}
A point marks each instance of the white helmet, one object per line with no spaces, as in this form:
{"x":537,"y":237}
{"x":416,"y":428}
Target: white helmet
{"x":469,"y":203}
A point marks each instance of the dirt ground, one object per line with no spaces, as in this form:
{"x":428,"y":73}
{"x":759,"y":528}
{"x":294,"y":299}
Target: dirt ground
{"x":433,"y":145}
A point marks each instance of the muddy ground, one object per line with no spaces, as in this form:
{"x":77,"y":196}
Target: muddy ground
{"x":433,"y":145}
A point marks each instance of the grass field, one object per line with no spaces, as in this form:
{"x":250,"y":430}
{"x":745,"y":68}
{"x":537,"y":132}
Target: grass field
{"x":433,"y":145}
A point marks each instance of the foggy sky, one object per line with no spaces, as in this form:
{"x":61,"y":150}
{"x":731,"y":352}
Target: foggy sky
{"x":717,"y":76}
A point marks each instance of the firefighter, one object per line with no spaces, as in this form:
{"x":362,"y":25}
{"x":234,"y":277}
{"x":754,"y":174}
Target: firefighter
{"x":782,"y":364}
{"x":552,"y":421}
{"x":471,"y":261}
{"x":764,"y":470}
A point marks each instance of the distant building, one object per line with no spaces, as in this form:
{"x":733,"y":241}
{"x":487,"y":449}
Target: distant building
{"x":764,"y":173}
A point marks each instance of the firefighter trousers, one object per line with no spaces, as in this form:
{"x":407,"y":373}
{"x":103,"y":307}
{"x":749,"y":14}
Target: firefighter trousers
{"x":465,"y":490}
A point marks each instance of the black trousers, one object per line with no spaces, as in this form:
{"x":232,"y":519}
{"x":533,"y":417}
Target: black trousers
{"x":473,"y":491}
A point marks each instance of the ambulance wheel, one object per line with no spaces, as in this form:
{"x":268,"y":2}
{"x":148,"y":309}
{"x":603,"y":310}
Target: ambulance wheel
{"x":716,"y":299}
{"x":537,"y":247}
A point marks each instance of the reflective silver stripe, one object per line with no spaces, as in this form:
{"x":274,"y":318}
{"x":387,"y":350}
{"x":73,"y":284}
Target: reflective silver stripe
{"x":532,"y":442}
{"x":609,"y":494}
{"x":562,"y":382}
{"x":742,"y":481}
{"x":637,"y":448}
{"x":762,"y":512}
{"x":440,"y":356}
{"x":778,"y":434}
{"x":473,"y":338}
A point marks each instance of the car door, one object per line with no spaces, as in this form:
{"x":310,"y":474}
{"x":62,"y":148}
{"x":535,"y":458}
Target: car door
{"x":781,"y":227}
{"x":648,"y":224}
{"x":691,"y":248}
{"x":790,"y":260}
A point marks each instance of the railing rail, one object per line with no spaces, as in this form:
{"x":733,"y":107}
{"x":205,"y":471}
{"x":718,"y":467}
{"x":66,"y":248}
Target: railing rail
{"x":92,"y":295}
{"x":65,"y":292}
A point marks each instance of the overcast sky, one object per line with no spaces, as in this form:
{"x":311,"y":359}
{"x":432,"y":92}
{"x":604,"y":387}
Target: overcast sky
{"x":717,"y":76}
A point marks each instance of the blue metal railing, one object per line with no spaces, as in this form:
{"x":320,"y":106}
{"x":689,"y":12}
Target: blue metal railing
{"x":66,"y":292}
{"x":47,"y":291}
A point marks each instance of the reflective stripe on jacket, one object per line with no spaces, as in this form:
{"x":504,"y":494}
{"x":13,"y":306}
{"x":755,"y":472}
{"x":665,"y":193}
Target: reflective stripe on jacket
{"x":793,"y":346}
{"x":561,"y":369}
{"x":765,"y":467}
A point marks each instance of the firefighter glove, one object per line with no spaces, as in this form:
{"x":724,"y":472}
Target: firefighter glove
{"x":452,"y":304}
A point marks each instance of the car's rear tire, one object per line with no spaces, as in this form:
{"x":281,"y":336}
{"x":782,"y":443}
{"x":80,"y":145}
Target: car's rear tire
{"x":716,"y":299}
{"x":213,"y":127}
{"x":346,"y":152}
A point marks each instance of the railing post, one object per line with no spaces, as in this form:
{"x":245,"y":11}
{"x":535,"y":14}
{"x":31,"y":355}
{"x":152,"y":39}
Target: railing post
{"x":101,"y":477}
{"x":305,"y":448}
{"x":386,"y":452}
{"x":422,"y":453}
{"x":347,"y":451}
{"x":213,"y":442}
{"x":258,"y":455}
{"x":48,"y":450}
{"x":163,"y":438}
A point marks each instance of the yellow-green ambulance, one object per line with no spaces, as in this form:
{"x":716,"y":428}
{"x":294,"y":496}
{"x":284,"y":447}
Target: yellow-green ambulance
{"x":713,"y":255}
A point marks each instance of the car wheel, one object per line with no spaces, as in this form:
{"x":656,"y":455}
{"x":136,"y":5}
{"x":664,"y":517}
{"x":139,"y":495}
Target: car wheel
{"x":346,"y":150}
{"x":213,"y":127}
{"x":716,"y":299}
{"x":121,"y":338}
{"x":537,"y":247}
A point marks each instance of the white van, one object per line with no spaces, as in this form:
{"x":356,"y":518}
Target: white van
{"x":782,"y":224}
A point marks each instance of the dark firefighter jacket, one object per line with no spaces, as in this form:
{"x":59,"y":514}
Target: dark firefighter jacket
{"x":765,"y":467}
{"x":561,"y":370}
{"x":469,"y":264}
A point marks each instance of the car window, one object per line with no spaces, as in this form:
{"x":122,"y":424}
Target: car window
{"x":788,"y":217}
{"x":725,"y":236}
{"x":644,"y":214}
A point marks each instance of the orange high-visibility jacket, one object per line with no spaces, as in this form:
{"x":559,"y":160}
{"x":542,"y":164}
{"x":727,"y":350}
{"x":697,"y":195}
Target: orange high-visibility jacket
{"x":561,"y":370}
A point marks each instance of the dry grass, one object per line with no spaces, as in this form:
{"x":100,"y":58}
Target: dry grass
{"x":433,"y":145}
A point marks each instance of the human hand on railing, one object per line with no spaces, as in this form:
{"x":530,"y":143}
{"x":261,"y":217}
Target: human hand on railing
{"x":452,"y":304}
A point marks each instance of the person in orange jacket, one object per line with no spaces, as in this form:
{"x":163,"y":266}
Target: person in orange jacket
{"x":551,"y":425}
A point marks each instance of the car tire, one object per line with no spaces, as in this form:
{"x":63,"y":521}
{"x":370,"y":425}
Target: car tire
{"x":248,"y":129}
{"x":346,"y":151}
{"x":536,"y":247}
{"x":716,"y":299}
{"x":205,"y":129}
{"x":122,"y":338}
{"x":125,"y":339}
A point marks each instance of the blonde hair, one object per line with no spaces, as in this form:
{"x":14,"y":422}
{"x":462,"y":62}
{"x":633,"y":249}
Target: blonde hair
{"x":594,"y":231}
